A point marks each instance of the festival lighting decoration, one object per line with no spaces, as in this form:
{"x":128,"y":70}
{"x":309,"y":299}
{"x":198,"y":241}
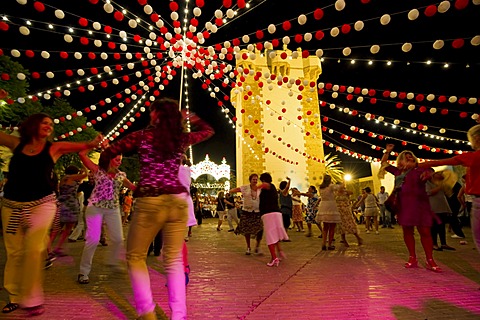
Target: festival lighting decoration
{"x":141,"y":53}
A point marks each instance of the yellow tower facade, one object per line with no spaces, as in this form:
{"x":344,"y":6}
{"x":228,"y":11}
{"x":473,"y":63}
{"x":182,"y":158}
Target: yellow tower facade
{"x":278,"y":117}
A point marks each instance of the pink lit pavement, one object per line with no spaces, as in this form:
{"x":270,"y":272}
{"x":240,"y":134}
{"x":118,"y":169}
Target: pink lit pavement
{"x":367,"y":282}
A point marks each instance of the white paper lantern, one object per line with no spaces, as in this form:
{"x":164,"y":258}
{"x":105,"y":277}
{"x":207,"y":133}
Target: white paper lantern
{"x":396,"y":122}
{"x":147,"y":9}
{"x":246,"y":39}
{"x":77,"y":55}
{"x":375,"y":48}
{"x":218,"y":14}
{"x":68,"y":38}
{"x":334,"y":32}
{"x":80,"y":72}
{"x":286,"y":40}
{"x":411,"y":107}
{"x":385,"y":19}
{"x":45,"y":54}
{"x":442,"y":130}
{"x":438,"y":44}
{"x":410,"y":96}
{"x":358,"y":26}
{"x":132,"y":23}
{"x":59,"y":14}
{"x":15,"y":53}
{"x":413,"y":14}
{"x":50,"y":75}
{"x":413,"y":125}
{"x":319,"y":53}
{"x":406,"y":47}
{"x":393,"y":94}
{"x":122,"y":34}
{"x":472,"y":100}
{"x":21,"y":100}
{"x":430,"y":97}
{"x":347,"y":51}
{"x":108,"y":8}
{"x":475,"y":41}
{"x":302,"y":19}
{"x":272,"y":54}
{"x":197,"y":11}
{"x":22,"y":2}
{"x":444,"y":6}
{"x":20,"y":76}
{"x":307,"y":37}
{"x":97,"y":26}
{"x":104,"y":56}
{"x":433,"y":110}
{"x":271,"y":28}
{"x":174,"y":16}
{"x":335,"y":95}
{"x":230,"y":13}
{"x":452,"y":99}
{"x":339,"y":5}
{"x":24,"y":30}
{"x":475,"y":116}
{"x":476,"y":2}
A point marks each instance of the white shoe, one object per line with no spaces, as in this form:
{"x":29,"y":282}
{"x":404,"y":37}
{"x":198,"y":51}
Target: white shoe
{"x":248,"y":252}
{"x":454,"y":236}
{"x":368,"y":231}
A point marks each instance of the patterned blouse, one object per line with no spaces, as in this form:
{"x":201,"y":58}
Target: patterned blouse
{"x":158,"y":169}
{"x":106,"y":192}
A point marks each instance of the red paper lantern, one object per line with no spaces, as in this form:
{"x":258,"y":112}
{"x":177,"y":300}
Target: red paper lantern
{"x":461,"y":4}
{"x":430,"y":10}
{"x":318,"y":14}
{"x":107,"y":29}
{"x":286,"y":25}
{"x":40,"y":7}
{"x":173,"y":6}
{"x":346,"y":28}
{"x":241,"y":4}
{"x":458,"y":43}
{"x":83,"y":22}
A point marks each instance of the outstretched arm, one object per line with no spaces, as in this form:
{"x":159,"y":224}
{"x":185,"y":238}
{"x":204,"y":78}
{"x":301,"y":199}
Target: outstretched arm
{"x":60,"y":148}
{"x":87,"y":162}
{"x":388,"y":149}
{"x":442,"y":162}
{"x":9,"y":141}
{"x":287,"y":187}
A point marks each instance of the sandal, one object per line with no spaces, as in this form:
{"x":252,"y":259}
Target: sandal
{"x":412,"y":263}
{"x":35,"y":311}
{"x":432,"y":266}
{"x":10,"y":307}
{"x":82,"y":279}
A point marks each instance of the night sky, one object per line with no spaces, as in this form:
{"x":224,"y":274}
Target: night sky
{"x":386,"y":86}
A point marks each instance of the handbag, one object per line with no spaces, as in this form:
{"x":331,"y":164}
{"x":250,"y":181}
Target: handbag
{"x":392,"y":204}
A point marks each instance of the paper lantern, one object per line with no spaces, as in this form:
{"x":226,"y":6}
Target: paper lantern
{"x":413,"y":14}
{"x":358,"y":26}
{"x":302,"y":19}
{"x":438,"y":44}
{"x":461,"y":4}
{"x":346,"y":51}
{"x":475,"y":41}
{"x":444,"y":6}
{"x":406,"y":47}
{"x":385,"y":19}
{"x":375,"y":49}
{"x":458,"y":43}
{"x":24,"y":30}
{"x":339,"y":5}
{"x":334,"y":32}
{"x":430,"y":10}
{"x":40,"y":7}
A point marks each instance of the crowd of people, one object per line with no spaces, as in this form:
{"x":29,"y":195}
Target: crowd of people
{"x":162,"y":206}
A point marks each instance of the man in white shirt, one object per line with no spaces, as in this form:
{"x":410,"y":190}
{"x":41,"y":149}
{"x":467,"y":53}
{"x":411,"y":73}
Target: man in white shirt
{"x":386,"y":215}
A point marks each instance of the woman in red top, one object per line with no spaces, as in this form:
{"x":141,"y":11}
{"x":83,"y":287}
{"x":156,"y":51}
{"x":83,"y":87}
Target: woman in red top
{"x":471,"y":160}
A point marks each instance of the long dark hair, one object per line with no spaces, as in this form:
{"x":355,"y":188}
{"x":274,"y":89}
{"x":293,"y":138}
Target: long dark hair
{"x":327,"y":180}
{"x":29,"y":128}
{"x":169,"y":124}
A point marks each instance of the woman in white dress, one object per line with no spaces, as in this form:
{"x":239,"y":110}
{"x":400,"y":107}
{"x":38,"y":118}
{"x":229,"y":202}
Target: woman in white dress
{"x":328,"y":211}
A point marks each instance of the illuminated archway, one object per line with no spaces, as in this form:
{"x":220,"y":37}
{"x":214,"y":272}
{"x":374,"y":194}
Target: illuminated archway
{"x":216,"y":171}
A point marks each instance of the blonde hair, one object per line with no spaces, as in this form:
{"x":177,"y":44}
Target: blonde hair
{"x":401,"y":157}
{"x":473,"y":133}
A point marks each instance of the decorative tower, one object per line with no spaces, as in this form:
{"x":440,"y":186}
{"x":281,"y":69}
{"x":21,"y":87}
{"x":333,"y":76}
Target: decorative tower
{"x":278,"y":117}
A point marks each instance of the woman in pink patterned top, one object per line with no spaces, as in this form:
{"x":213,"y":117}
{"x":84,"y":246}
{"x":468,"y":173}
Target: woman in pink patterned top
{"x":161,"y":201}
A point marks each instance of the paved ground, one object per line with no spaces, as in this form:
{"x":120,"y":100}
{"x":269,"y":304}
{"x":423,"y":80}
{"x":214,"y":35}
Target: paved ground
{"x":367,"y":282}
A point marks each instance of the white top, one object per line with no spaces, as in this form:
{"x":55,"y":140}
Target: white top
{"x":251,"y":199}
{"x":382,"y":197}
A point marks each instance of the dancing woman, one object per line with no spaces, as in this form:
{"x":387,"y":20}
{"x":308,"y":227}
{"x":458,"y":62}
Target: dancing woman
{"x":250,"y":221}
{"x":29,"y":206}
{"x":414,"y":210}
{"x":161,"y":201}
{"x":272,"y":219}
{"x":103,"y":205}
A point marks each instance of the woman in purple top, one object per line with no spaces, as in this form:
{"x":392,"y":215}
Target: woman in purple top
{"x":161,"y":202}
{"x":414,"y":210}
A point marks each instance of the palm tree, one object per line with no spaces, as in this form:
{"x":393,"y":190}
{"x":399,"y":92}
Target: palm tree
{"x":333,"y":167}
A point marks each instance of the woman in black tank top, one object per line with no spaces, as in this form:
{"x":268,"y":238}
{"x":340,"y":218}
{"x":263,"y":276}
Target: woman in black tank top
{"x":30,"y":192}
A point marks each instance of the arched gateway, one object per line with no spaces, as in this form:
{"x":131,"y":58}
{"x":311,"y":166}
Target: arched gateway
{"x":210,"y":178}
